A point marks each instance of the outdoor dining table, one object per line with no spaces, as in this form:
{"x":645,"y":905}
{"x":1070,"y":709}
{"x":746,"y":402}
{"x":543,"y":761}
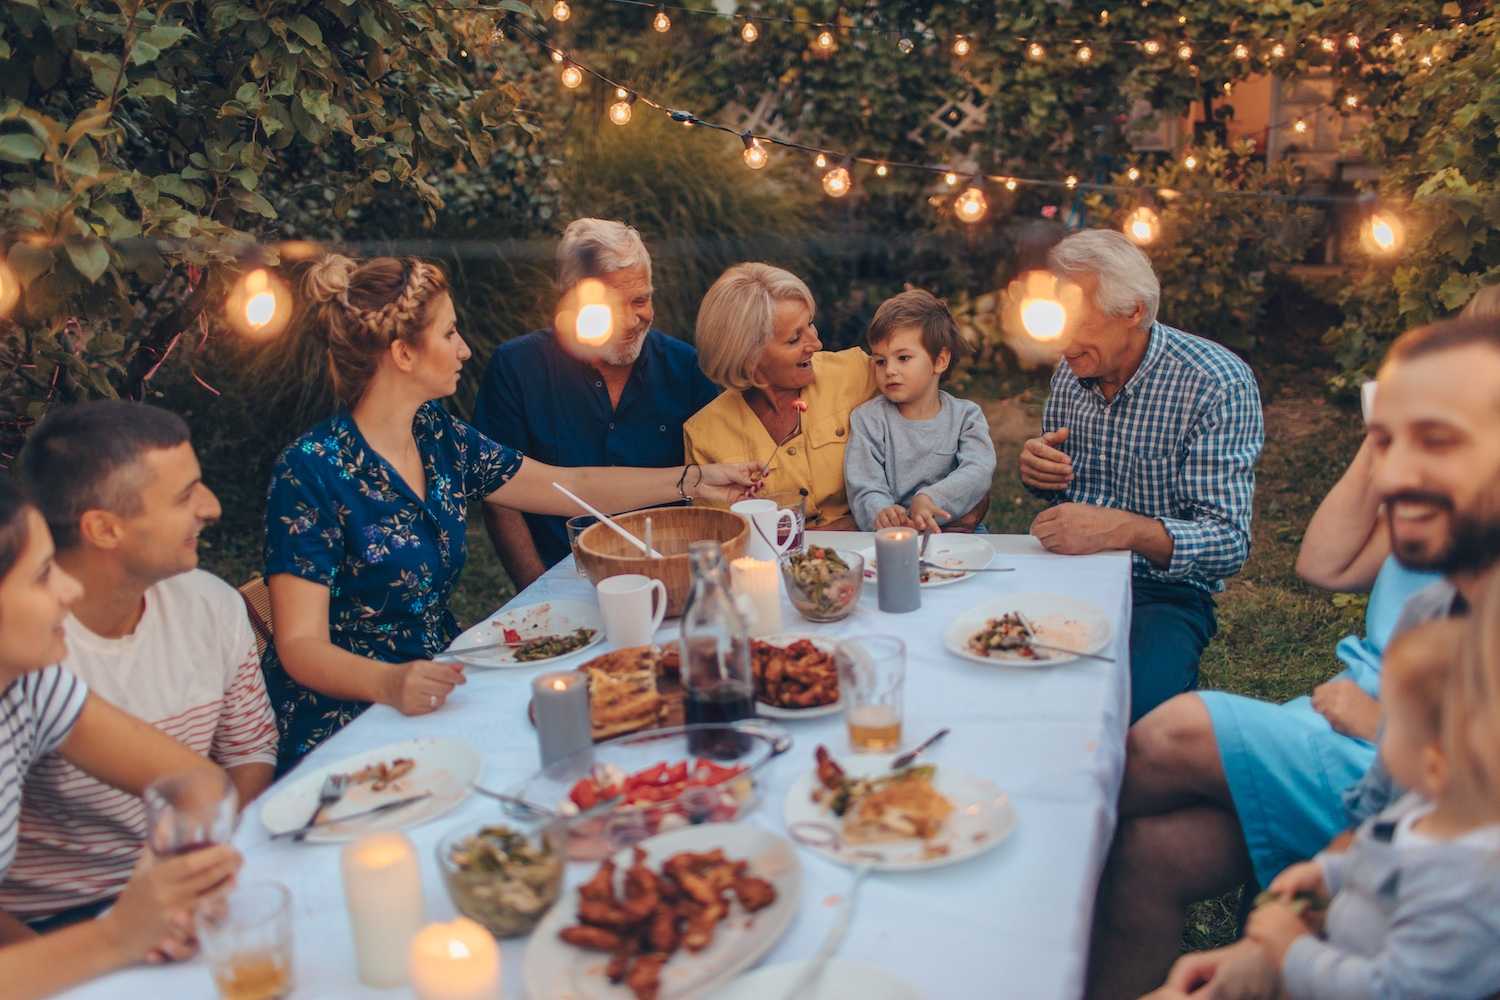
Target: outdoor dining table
{"x":1013,"y":922}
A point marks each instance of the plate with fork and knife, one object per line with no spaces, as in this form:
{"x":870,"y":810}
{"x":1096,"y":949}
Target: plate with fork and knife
{"x":1030,"y":630}
{"x":945,"y":558}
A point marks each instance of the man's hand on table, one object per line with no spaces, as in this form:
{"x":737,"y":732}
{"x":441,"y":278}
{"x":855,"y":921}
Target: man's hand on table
{"x":1043,"y":466}
{"x":1348,"y":709}
{"x":1081,"y":529}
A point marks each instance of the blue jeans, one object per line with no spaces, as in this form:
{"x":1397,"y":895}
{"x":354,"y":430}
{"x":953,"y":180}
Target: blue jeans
{"x":1170,"y":625}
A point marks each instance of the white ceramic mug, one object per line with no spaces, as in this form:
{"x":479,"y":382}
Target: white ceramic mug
{"x":626,"y":602}
{"x":765,"y":527}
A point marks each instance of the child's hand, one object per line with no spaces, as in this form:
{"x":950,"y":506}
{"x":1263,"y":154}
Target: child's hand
{"x":1303,"y":877}
{"x":1274,"y":926}
{"x":894,"y":516}
{"x":928,"y":516}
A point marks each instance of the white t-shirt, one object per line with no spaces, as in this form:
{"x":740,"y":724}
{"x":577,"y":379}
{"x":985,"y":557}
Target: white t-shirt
{"x":1483,"y":838}
{"x":37,"y":711}
{"x":192,"y":670}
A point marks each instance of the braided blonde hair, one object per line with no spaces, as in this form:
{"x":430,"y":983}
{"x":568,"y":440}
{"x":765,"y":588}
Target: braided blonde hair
{"x":363,"y":308}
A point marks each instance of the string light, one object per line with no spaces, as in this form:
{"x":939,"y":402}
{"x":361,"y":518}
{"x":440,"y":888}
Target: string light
{"x":1104,"y":17}
{"x":1351,"y":102}
{"x":1182,"y":19}
{"x":1190,"y":161}
{"x":1152,"y":47}
{"x":881,"y":170}
{"x":1010,"y":184}
{"x":621,"y":93}
{"x":1071,"y":182}
{"x":1398,"y":39}
{"x":906,"y":45}
{"x":1142,"y":226}
{"x":1351,"y":42}
{"x":620,"y":112}
{"x":950,"y":179}
{"x":1085,"y":54}
{"x":755,"y":154}
{"x":557,"y":56}
{"x":1242,"y":52}
{"x":1383,"y":234}
{"x":1228,"y":87}
{"x":10,"y":289}
{"x":1035,"y":52}
{"x":836,"y":182}
{"x":825,"y":40}
{"x":587,"y":313}
{"x":971,"y":205}
{"x":1184,"y":52}
{"x":1278,"y":51}
{"x":661,"y":22}
{"x":561,"y":11}
{"x":749,"y":33}
{"x":1300,"y":126}
{"x":961,"y":46}
{"x":572,"y":76}
{"x":1328,"y":45}
{"x":259,"y":306}
{"x":1039,"y":304}
{"x":1133,"y":174}
{"x":820,"y":161}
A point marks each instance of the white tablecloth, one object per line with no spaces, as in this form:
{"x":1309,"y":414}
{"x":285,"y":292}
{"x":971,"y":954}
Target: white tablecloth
{"x":1014,"y":922}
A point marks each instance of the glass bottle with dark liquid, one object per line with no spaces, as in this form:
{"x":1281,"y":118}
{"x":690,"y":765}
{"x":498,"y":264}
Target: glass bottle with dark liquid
{"x":716,"y":677}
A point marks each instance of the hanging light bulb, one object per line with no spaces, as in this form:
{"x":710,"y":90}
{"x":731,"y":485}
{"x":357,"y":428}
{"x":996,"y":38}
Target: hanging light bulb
{"x":1351,"y":41}
{"x":1182,"y":19}
{"x":1011,"y":184}
{"x":1142,"y":226}
{"x":557,"y":55}
{"x":820,"y":161}
{"x":1328,"y":45}
{"x":1383,"y":234}
{"x":749,"y":32}
{"x":572,"y":76}
{"x":1038,"y":304}
{"x":906,"y":45}
{"x":1104,"y":17}
{"x":259,"y":306}
{"x":661,"y":22}
{"x":1190,"y":161}
{"x":1351,"y":102}
{"x":621,"y":111}
{"x":1035,"y":52}
{"x":881,"y":170}
{"x":1228,"y":87}
{"x":1278,"y":51}
{"x":971,"y":205}
{"x":1242,"y":52}
{"x":836,"y":182}
{"x":621,"y":93}
{"x":561,"y":11}
{"x":1151,"y":46}
{"x":1397,"y":39}
{"x":1085,"y":54}
{"x":825,"y":40}
{"x":1133,"y":174}
{"x":962,"y":46}
{"x":950,"y":179}
{"x":1184,"y":52}
{"x":1300,"y":126}
{"x":1071,"y":182}
{"x":10,"y":289}
{"x":755,"y":154}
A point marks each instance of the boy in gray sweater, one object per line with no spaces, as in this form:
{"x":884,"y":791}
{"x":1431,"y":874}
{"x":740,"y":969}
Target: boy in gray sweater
{"x":916,"y":456}
{"x":1415,"y":901}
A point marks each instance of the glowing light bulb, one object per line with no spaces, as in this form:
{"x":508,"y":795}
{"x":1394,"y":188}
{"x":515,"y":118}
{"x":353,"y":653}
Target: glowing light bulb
{"x":1190,"y":161}
{"x":1011,"y":183}
{"x":1328,"y":44}
{"x":1133,"y":174}
{"x":1398,"y":39}
{"x":1142,"y":226}
{"x":881,"y":170}
{"x":620,"y":112}
{"x":1044,"y":319}
{"x":1300,"y":126}
{"x":749,"y":33}
{"x":1278,"y":51}
{"x":825,"y":40}
{"x":1035,"y":52}
{"x":950,"y":179}
{"x":1104,"y":17}
{"x":1085,"y":54}
{"x":586,"y":313}
{"x":1242,"y":52}
{"x":1182,"y":19}
{"x":259,"y":306}
{"x":961,"y":46}
{"x":572,"y":76}
{"x":557,"y":56}
{"x":756,"y":156}
{"x":836,"y":182}
{"x":661,"y":22}
{"x":1384,"y":234}
{"x":1351,"y":42}
{"x":1152,"y":47}
{"x":906,"y":45}
{"x":561,"y":11}
{"x":1071,"y":182}
{"x":971,"y":205}
{"x":1351,"y":102}
{"x":820,"y":161}
{"x":594,"y":322}
{"x":1228,"y":87}
{"x":1184,"y":52}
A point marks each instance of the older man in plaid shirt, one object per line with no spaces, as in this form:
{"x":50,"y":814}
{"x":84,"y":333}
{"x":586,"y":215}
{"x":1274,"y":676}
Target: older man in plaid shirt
{"x":1149,"y":444}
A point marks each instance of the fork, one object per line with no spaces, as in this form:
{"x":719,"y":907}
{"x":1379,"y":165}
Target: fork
{"x":959,"y":571}
{"x":331,"y":792}
{"x":818,"y":964}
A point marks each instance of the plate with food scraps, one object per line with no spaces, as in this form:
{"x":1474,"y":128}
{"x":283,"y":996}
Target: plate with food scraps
{"x":441,"y":770}
{"x":538,"y":634}
{"x":840,"y":981}
{"x":742,"y":883}
{"x":959,"y":553}
{"x":795,"y":676}
{"x":857,"y":811}
{"x":996,"y":632}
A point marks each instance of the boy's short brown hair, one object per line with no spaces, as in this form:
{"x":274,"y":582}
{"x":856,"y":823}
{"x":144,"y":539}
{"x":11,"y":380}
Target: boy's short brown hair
{"x":921,"y":309}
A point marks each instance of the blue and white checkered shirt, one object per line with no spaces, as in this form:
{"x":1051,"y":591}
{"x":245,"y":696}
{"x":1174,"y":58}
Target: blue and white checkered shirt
{"x":1177,"y":443}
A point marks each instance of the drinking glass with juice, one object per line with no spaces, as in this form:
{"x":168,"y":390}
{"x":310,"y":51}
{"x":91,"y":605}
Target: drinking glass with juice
{"x":872,"y":678}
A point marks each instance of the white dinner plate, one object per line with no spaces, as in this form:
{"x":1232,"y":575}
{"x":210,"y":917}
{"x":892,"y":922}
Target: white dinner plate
{"x":839,"y":981}
{"x":982,"y":819}
{"x":552,"y":968}
{"x":532,"y":621}
{"x":445,"y":770}
{"x":776,"y":712}
{"x":1062,"y":621}
{"x":960,"y":551}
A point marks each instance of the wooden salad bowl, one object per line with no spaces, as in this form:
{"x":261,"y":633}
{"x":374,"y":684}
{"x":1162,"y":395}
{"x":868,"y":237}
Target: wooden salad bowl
{"x":603,"y":554}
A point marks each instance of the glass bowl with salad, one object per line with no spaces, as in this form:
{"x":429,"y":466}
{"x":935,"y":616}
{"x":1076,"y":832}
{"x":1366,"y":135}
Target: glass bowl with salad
{"x":505,"y":876}
{"x":632,"y":787}
{"x":823,"y":583}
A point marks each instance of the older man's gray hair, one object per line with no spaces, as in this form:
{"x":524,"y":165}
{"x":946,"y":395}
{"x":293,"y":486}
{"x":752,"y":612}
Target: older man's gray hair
{"x":1126,"y":279}
{"x":592,"y":248}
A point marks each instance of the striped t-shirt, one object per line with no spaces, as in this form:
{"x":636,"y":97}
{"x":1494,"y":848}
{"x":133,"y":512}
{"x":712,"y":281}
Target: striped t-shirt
{"x":37,"y":711}
{"x":191,"y":669}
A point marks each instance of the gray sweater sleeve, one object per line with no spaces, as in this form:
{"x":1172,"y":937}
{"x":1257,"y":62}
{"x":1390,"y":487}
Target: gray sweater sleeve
{"x":865,"y":478}
{"x":961,"y":490}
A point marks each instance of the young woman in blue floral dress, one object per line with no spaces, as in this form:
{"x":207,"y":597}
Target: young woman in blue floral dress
{"x":366,"y":513}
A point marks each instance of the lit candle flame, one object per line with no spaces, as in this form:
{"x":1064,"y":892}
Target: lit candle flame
{"x":259,"y":305}
{"x":1044,"y":319}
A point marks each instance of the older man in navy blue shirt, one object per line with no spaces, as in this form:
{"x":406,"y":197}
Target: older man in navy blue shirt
{"x":567,"y":404}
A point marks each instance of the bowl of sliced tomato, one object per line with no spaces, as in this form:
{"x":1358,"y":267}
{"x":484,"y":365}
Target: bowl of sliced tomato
{"x":624,"y":790}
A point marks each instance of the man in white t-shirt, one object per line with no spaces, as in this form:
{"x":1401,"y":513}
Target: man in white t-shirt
{"x":121,"y":489}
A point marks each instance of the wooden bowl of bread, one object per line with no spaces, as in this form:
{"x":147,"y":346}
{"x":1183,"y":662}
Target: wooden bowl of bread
{"x":603,"y":554}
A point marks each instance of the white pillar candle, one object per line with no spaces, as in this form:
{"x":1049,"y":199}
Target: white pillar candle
{"x":383,"y":889}
{"x":759,"y":581}
{"x":455,"y":961}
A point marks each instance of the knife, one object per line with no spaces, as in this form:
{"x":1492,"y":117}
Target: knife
{"x":384,"y":807}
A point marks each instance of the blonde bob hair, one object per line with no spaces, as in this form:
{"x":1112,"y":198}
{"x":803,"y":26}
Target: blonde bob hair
{"x":737,"y":320}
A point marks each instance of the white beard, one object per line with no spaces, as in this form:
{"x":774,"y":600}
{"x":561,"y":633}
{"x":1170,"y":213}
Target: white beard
{"x":622,"y":354}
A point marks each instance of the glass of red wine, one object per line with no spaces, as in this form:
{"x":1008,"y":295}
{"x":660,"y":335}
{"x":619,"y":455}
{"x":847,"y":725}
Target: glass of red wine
{"x":191,"y":810}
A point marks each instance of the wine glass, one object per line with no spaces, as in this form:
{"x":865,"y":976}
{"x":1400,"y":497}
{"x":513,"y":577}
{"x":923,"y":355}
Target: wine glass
{"x":191,"y":810}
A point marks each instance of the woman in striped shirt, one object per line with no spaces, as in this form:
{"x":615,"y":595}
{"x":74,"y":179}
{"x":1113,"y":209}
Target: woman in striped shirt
{"x":42,"y":709}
